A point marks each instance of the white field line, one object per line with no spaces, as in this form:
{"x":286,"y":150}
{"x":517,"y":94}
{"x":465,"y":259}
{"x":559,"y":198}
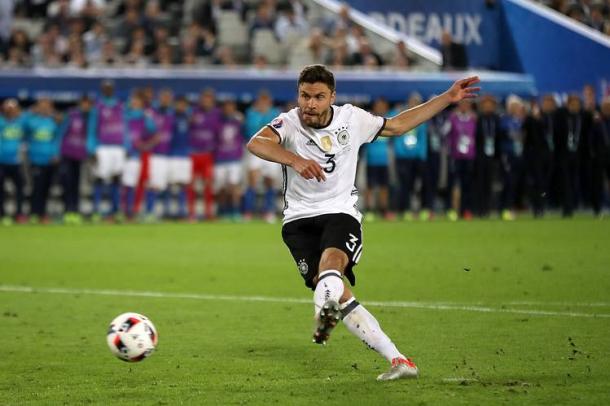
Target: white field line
{"x":269,"y":299}
{"x":564,"y":304}
{"x":459,"y":379}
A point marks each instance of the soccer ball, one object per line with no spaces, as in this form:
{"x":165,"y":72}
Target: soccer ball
{"x":132,"y":337}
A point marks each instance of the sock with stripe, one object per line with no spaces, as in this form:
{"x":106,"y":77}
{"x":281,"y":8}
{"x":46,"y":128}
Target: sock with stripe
{"x":365,"y":326}
{"x":329,"y":287}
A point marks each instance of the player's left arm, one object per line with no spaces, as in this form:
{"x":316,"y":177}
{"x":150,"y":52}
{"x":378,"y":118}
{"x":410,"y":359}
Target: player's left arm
{"x":408,"y":119}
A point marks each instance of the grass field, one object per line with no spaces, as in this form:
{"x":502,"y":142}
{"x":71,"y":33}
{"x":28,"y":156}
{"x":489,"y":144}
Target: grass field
{"x":491,"y":312}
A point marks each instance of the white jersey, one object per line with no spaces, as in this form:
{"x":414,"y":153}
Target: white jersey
{"x":335,"y":147}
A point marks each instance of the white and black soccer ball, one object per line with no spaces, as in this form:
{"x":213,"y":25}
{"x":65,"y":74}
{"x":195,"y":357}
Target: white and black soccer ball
{"x":132,"y":337}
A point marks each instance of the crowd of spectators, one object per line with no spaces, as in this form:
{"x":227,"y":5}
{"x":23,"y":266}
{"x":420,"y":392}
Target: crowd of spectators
{"x":594,"y":13}
{"x":106,"y":33}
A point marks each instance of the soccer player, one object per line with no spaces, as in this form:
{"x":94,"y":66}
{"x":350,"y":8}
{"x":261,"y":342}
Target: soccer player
{"x":13,"y":128}
{"x":43,"y":154}
{"x":73,"y":151}
{"x":228,"y":154}
{"x":572,"y":145}
{"x":438,"y":128}
{"x":462,"y":152}
{"x":180,"y":166}
{"x":511,"y":156}
{"x":600,"y":143}
{"x":164,"y":117}
{"x":106,"y":139}
{"x":410,"y":150}
{"x":260,"y":113}
{"x":205,"y":124}
{"x":489,"y":133}
{"x":317,"y":145}
{"x":377,"y":194}
{"x":141,"y":129}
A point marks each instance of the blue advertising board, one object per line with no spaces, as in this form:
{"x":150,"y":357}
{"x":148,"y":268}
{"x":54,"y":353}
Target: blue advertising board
{"x":243,"y":84}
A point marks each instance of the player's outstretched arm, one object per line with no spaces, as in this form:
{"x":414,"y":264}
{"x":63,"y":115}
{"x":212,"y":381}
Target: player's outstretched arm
{"x":266,"y":145}
{"x":408,"y":119}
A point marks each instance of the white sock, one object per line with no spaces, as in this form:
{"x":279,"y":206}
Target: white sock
{"x":365,"y":326}
{"x":329,"y":287}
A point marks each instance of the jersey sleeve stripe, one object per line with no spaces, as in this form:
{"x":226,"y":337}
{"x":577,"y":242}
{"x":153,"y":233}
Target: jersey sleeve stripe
{"x":278,"y":134}
{"x":380,"y":130}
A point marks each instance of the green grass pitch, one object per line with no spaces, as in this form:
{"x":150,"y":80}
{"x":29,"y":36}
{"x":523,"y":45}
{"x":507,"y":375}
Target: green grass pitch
{"x":492,"y":313}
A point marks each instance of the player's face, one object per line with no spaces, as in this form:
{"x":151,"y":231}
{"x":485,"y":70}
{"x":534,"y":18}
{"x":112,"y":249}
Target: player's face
{"x":85,"y":104}
{"x":207,"y":100}
{"x":45,"y":107}
{"x":137,"y":103}
{"x":181,"y":106}
{"x":548,"y":104}
{"x":108,"y":90}
{"x":314,"y":103}
{"x":11,"y":108}
{"x":229,"y":108}
{"x":488,"y":106}
{"x":464,"y":106}
{"x":165,"y":98}
{"x":574,"y":105}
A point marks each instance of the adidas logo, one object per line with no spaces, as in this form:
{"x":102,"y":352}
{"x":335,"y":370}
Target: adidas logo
{"x":311,"y":142}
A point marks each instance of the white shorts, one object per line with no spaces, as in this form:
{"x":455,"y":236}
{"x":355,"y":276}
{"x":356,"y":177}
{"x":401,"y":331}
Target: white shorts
{"x":180,"y":170}
{"x":159,"y":172}
{"x":229,"y":173}
{"x":110,"y":161}
{"x":267,"y":169}
{"x":131,"y":172}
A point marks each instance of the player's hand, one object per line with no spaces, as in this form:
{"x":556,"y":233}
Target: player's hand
{"x":308,"y":169}
{"x":463,"y":89}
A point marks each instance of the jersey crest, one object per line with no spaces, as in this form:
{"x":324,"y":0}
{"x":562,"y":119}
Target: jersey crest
{"x":343,"y":137}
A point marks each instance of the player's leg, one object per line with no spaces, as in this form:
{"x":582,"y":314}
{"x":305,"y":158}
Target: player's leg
{"x":254,"y":168}
{"x":384,"y":192}
{"x":342,"y":235}
{"x":361,"y":323}
{"x":190,"y":190}
{"x":409,"y":186}
{"x":129,"y":180}
{"x":208,"y":190}
{"x":271,"y":173}
{"x":221,"y":188}
{"x":47,"y":179}
{"x":117,"y":166}
{"x":157,"y":184}
{"x":234,"y":192}
{"x":341,"y":241}
{"x":36,"y":196}
{"x":140,"y":188}
{"x":101,"y":172}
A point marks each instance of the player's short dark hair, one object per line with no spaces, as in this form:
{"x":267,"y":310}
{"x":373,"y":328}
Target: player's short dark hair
{"x":317,"y":74}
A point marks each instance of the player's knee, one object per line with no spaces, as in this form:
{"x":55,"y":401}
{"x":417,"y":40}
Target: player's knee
{"x":333,"y":258}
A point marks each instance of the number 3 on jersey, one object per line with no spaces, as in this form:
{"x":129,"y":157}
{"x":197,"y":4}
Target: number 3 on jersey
{"x":331,"y":161}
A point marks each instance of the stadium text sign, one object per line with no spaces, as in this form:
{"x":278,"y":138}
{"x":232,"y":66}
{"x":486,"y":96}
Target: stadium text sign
{"x":428,"y":28}
{"x":476,"y":24}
